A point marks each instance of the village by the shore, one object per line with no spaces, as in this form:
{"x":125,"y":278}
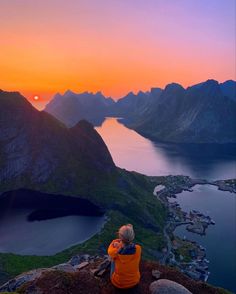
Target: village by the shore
{"x":188,"y":256}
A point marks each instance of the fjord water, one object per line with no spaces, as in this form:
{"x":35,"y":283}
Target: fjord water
{"x":134,"y":152}
{"x":220,"y":239}
{"x":131,"y":151}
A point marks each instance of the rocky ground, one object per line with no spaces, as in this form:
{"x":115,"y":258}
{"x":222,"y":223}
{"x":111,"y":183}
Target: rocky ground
{"x":91,"y":275}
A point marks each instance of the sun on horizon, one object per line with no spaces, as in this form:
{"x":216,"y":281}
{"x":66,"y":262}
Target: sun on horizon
{"x":114,"y":46}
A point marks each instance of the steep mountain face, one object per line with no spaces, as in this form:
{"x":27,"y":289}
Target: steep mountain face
{"x":199,"y":114}
{"x":228,"y":88}
{"x":135,"y":104}
{"x":38,"y":150}
{"x":71,"y":107}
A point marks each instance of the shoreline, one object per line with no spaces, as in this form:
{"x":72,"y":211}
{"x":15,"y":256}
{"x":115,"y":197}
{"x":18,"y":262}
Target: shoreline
{"x":197,"y":265}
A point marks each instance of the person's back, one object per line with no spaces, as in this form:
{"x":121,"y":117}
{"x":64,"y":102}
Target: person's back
{"x":125,"y":259}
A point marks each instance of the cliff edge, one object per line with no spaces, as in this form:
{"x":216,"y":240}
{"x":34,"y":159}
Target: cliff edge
{"x":91,"y":275}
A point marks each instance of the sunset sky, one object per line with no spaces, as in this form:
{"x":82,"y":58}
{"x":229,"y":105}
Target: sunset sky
{"x":115,"y":46}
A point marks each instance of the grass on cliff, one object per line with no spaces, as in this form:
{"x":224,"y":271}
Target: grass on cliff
{"x":14,"y":264}
{"x":128,"y":198}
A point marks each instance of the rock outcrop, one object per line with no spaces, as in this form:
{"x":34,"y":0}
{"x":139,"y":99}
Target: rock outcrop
{"x":164,"y":286}
{"x":85,"y":274}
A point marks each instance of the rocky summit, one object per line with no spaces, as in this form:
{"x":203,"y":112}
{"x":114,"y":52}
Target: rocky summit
{"x":91,"y":275}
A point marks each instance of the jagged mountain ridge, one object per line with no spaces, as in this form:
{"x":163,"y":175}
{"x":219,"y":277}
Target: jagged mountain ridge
{"x":199,"y":114}
{"x":135,"y":104}
{"x":202,"y":113}
{"x":72,"y":107}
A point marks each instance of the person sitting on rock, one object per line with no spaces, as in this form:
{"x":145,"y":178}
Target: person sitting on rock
{"x":125,"y":258}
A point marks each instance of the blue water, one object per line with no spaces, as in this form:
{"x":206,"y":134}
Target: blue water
{"x":220,"y":239}
{"x":134,"y":152}
{"x":47,"y":237}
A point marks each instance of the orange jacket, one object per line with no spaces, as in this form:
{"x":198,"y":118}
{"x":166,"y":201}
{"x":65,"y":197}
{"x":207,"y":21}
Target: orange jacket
{"x":127,"y":259}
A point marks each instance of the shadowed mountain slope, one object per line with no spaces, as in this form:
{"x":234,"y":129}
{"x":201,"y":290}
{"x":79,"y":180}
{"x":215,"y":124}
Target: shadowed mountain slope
{"x":199,"y":114}
{"x":37,"y":149}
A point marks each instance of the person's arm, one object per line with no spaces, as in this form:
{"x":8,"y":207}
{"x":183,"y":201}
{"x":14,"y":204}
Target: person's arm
{"x":114,"y":247}
{"x":138,"y":252}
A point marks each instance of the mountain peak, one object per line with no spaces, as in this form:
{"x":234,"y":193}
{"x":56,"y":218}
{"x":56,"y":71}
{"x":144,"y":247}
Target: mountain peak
{"x":99,"y":93}
{"x":14,"y":100}
{"x":211,"y":82}
{"x":210,"y":86}
{"x":174,"y":86}
{"x":229,"y":82}
{"x":68,"y":93}
{"x":130,"y":94}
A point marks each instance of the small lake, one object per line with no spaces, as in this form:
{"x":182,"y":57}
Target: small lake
{"x":57,"y":222}
{"x":134,"y":152}
{"x":45,"y":237}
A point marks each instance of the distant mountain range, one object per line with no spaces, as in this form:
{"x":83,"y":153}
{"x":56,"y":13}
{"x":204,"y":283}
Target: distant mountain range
{"x":203,"y":113}
{"x":38,"y":153}
{"x":135,"y":104}
{"x":71,"y":107}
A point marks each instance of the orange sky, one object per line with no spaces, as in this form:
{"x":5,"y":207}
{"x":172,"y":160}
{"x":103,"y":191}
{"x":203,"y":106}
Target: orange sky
{"x":113,"y":46}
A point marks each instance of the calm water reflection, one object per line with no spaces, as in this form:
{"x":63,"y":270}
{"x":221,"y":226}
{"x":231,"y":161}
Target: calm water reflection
{"x":134,"y":152}
{"x":220,"y":239}
{"x":47,"y":237}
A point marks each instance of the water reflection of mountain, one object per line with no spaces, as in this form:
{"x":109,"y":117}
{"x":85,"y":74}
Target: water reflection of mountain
{"x":132,"y":151}
{"x":202,"y":160}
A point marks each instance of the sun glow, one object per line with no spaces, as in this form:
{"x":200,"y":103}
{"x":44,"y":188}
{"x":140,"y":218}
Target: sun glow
{"x":51,"y":46}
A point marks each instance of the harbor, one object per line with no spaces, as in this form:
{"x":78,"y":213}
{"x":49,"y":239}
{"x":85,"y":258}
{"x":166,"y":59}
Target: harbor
{"x":187,"y":255}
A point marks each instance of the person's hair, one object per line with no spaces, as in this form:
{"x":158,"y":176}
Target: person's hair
{"x":126,"y":233}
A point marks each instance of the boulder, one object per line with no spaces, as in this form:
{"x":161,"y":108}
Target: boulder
{"x":77,"y":259}
{"x":156,"y":274}
{"x":81,"y":265}
{"x":65,"y":267}
{"x":164,"y":286}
